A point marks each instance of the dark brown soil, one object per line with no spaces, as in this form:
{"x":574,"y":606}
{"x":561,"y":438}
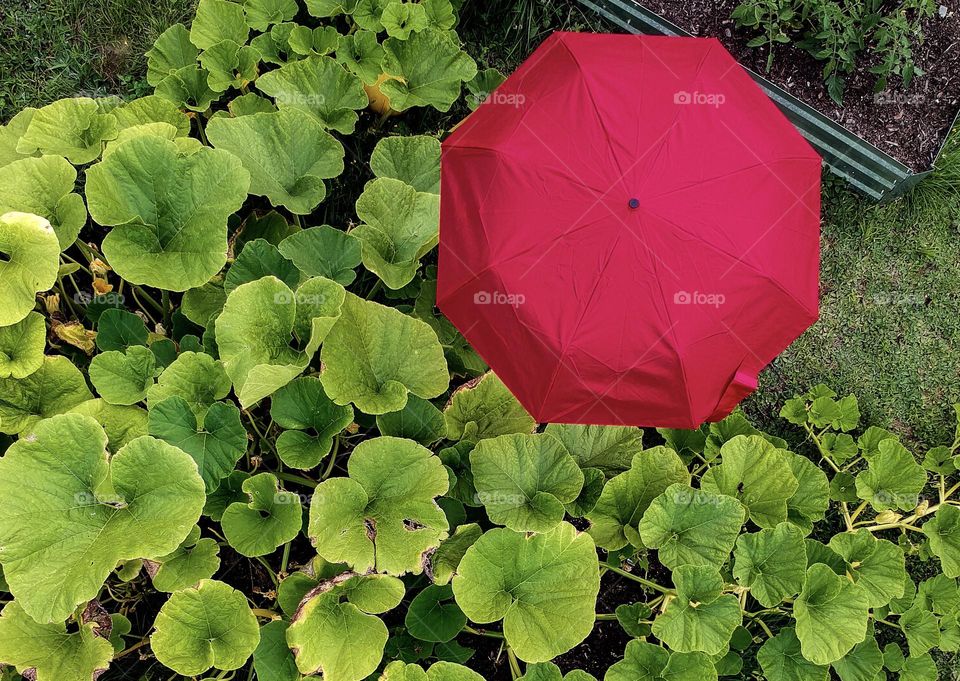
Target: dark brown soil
{"x":910,"y":125}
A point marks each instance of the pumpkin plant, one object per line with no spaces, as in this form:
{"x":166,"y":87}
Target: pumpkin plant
{"x":239,"y":441}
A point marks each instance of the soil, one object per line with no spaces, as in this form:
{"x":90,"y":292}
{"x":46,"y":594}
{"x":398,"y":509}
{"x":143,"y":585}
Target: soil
{"x":910,"y":125}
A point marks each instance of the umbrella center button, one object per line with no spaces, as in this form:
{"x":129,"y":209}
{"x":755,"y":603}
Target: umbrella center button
{"x":634,"y":203}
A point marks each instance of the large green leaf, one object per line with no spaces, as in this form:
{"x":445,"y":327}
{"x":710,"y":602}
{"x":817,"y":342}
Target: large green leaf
{"x":893,"y":478}
{"x":270,"y":519}
{"x":168,"y":211}
{"x":383,"y":516}
{"x":484,"y":408}
{"x":943,"y":531}
{"x":260,"y":320}
{"x":427,"y":70}
{"x":311,"y":421}
{"x":29,"y":261}
{"x":375,"y":355}
{"x":207,"y":626}
{"x":335,"y":630}
{"x":877,"y":565}
{"x":261,"y":14}
{"x":433,"y":616}
{"x":149,"y":110}
{"x":321,"y":87}
{"x":772,"y":563}
{"x":44,"y":186}
{"x":831,"y":614}
{"x":644,"y":661}
{"x":259,"y":258}
{"x":216,"y":443}
{"x":446,"y":559}
{"x":362,"y":55}
{"x":123,"y":377}
{"x":781,"y":659}
{"x":610,"y":448}
{"x":812,"y":498}
{"x":216,"y":21}
{"x":194,"y":560}
{"x":324,"y":252}
{"x":57,"y":386}
{"x":863,"y":663}
{"x":21,"y":346}
{"x":229,"y":65}
{"x":524,"y":480}
{"x":171,"y":52}
{"x":691,"y":527}
{"x":699,"y":618}
{"x":122,"y":424}
{"x":400,"y":226}
{"x":756,"y":473}
{"x":288,"y":155}
{"x":188,"y":87}
{"x":625,"y":498}
{"x":414,"y":160}
{"x":921,"y":629}
{"x":70,"y":513}
{"x":11,"y":133}
{"x":543,"y":586}
{"x":49,"y":650}
{"x":419,"y":420}
{"x":75,"y":128}
{"x":196,"y":377}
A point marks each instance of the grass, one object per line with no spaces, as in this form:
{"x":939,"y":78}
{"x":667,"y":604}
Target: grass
{"x":889,"y":329}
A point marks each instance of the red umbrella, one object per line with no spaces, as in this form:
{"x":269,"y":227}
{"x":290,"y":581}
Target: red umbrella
{"x":629,"y":231}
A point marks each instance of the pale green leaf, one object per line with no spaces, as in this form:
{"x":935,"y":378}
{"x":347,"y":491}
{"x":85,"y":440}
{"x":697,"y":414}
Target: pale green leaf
{"x":21,"y":346}
{"x":877,"y":565}
{"x":74,"y":128}
{"x":324,"y":252}
{"x":270,"y":519}
{"x":44,"y":186}
{"x":57,"y":386}
{"x":893,"y":478}
{"x":772,"y":563}
{"x":218,"y":20}
{"x":831,"y":614}
{"x":123,"y":377}
{"x":29,"y":261}
{"x":485,"y":408}
{"x":427,"y":70}
{"x":414,"y":160}
{"x":171,"y":52}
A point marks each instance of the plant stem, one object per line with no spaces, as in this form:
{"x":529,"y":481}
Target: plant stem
{"x":482,"y":632}
{"x":299,"y":479}
{"x":263,"y":612}
{"x":285,"y":560}
{"x":823,"y":453}
{"x":606,"y":617}
{"x":515,"y":672}
{"x":135,"y":646}
{"x":639,"y":580}
{"x":333,"y":460}
{"x":167,"y":311}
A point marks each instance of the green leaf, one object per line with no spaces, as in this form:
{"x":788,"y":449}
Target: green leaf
{"x":368,"y":12}
{"x":427,"y":70}
{"x":151,"y":109}
{"x":543,"y":586}
{"x":893,"y":478}
{"x":400,"y":226}
{"x":943,"y":531}
{"x":324,"y":252}
{"x":772,"y":563}
{"x":196,"y":377}
{"x":216,"y":443}
{"x":123,"y":378}
{"x":482,"y":86}
{"x":644,"y":661}
{"x":121,"y":423}
{"x":218,"y":20}
{"x":863,"y":663}
{"x":74,"y":128}
{"x":485,"y":408}
{"x":300,"y":406}
{"x":384,"y":515}
{"x":270,"y":519}
{"x":446,"y":559}
{"x":626,"y":497}
{"x":781,"y":660}
{"x":335,"y":628}
{"x":118,"y":330}
{"x":202,"y":304}
{"x":229,"y":65}
{"x":831,"y":614}
{"x":440,"y":14}
{"x":168,"y":212}
{"x":57,"y":386}
{"x":319,"y":41}
{"x":257,"y":325}
{"x":261,"y":14}
{"x":204,"y":627}
{"x":171,"y":52}
{"x":877,"y":565}
{"x":812,"y":498}
{"x":921,"y":668}
{"x":921,"y":628}
{"x":699,"y":618}
{"x":21,"y":346}
{"x":194,"y":560}
{"x":11,"y":133}
{"x":375,"y":355}
{"x":330,"y":8}
{"x":419,"y":420}
{"x":288,"y":155}
{"x":142,"y":502}
{"x":439,"y":671}
{"x":362,"y":55}
{"x":319,"y":86}
{"x":524,"y":480}
{"x":259,"y":258}
{"x":414,"y":160}
{"x":273,"y":660}
{"x":432,"y":616}
{"x":229,"y":491}
{"x":691,"y":527}
{"x":188,"y":87}
{"x":612,"y":449}
{"x":249,"y":104}
{"x":548,"y":671}
{"x":400,"y":19}
{"x":49,"y":650}
{"x":44,"y":186}
{"x":758,"y":474}
{"x":29,"y":261}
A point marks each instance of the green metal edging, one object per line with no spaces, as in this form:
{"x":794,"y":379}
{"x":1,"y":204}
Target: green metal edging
{"x":870,"y":170}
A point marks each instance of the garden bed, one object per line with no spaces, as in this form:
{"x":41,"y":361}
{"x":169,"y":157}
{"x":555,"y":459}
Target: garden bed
{"x":910,"y":124}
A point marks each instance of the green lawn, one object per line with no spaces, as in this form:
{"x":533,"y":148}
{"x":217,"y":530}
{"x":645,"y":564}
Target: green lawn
{"x":890,"y":317}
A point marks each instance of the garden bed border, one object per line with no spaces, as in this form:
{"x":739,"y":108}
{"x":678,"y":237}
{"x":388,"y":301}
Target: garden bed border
{"x":870,"y":170}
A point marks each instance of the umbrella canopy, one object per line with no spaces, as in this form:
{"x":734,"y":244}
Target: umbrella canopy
{"x":629,"y":231}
